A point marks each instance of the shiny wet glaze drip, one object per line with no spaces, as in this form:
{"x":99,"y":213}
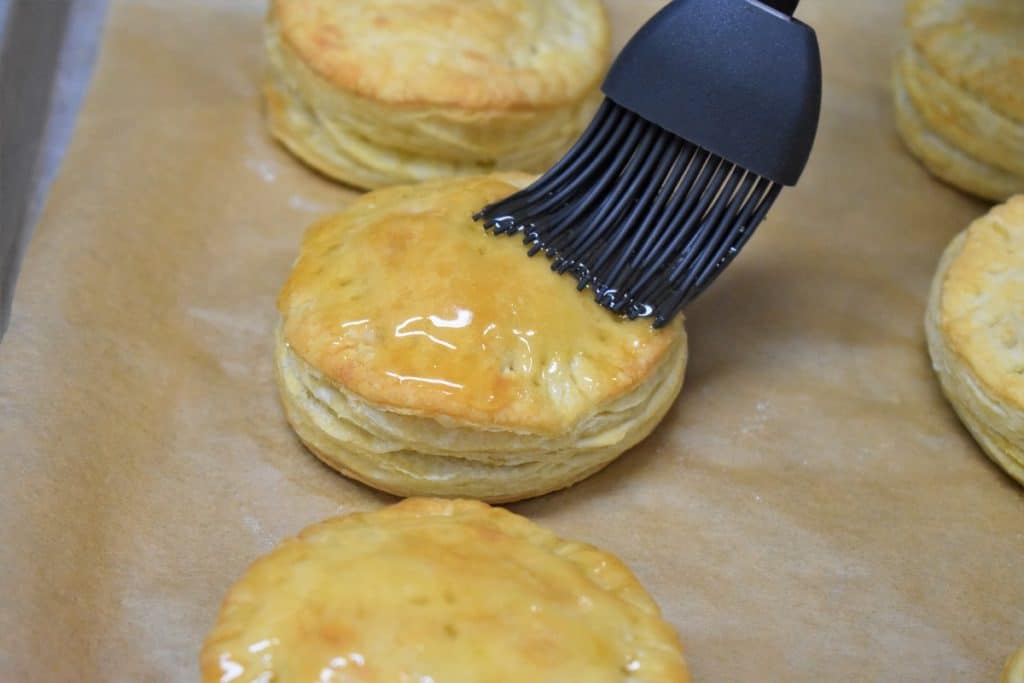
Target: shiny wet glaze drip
{"x":407,"y":300}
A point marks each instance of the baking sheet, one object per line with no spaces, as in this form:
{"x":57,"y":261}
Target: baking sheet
{"x":810,"y":510}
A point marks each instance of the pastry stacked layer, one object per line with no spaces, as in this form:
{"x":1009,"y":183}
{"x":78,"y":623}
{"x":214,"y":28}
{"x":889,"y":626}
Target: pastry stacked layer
{"x":959,"y":92}
{"x":424,"y":357}
{"x":975,"y":330}
{"x":382,"y":93}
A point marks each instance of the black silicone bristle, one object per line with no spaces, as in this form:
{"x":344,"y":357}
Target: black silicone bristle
{"x":644,"y":218}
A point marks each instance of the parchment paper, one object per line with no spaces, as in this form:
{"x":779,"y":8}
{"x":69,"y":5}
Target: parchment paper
{"x":811,"y":509}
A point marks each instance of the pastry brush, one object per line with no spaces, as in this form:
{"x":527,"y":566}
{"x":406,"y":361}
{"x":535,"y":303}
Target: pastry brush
{"x":710,"y":109}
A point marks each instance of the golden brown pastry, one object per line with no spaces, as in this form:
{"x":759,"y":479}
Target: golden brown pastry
{"x":378,"y":93}
{"x":425,"y":357}
{"x":975,"y":330}
{"x":943,"y":159}
{"x":958,"y":91}
{"x":1014,"y":671}
{"x":439,"y":590}
{"x":973,"y":126}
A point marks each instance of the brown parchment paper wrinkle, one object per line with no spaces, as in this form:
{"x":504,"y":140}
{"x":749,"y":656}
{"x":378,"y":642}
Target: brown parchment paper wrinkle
{"x":811,"y":509}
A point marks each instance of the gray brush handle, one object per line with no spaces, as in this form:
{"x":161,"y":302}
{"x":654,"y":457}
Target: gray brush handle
{"x":28,"y":66}
{"x":784,"y":6}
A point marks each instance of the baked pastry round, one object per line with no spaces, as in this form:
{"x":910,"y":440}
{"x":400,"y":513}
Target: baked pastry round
{"x":423,"y":356}
{"x":975,"y":331}
{"x":943,"y":159}
{"x":1014,"y":670}
{"x":439,"y":590}
{"x":378,"y":93}
{"x":958,"y":90}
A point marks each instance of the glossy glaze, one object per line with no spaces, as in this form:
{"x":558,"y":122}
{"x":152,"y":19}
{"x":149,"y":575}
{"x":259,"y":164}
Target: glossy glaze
{"x":407,"y":302}
{"x":473,"y":597}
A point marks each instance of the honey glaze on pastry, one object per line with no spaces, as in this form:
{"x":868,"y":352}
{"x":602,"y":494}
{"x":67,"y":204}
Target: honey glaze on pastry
{"x":442,"y":591}
{"x":414,"y":307}
{"x":403,"y":320}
